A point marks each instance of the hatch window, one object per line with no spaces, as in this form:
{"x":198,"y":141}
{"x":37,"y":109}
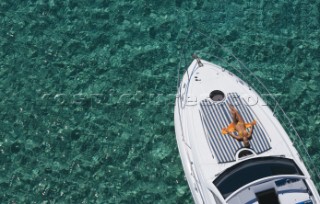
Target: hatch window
{"x":217,"y":95}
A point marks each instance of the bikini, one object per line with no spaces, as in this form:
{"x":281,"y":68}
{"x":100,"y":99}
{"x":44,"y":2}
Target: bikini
{"x":232,"y":128}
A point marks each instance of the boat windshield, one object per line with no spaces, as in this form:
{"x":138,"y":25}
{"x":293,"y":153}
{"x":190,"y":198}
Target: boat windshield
{"x":251,"y":170}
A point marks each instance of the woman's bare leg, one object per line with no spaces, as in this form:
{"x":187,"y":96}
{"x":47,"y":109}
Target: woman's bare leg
{"x":233,"y":112}
{"x":239,"y":117}
{"x":235,"y":115}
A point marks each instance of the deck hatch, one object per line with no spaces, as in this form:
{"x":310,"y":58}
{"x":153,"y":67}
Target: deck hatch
{"x":215,"y":116}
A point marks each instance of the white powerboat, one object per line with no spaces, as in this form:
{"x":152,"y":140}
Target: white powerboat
{"x":218,"y":167}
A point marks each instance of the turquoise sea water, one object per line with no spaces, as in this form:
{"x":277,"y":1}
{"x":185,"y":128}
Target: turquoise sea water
{"x":88,"y":88}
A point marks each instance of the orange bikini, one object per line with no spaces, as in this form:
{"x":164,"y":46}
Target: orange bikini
{"x":232,"y":128}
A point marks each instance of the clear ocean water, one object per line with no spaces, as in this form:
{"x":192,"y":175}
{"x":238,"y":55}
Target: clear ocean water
{"x":88,"y":88}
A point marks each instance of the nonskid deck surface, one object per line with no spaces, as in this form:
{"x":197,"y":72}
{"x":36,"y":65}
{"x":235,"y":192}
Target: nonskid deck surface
{"x":217,"y":116}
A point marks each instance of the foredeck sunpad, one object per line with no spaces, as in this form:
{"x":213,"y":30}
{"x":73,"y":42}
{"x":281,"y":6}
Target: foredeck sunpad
{"x":216,"y":116}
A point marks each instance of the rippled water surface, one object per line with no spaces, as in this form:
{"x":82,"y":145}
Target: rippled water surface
{"x":88,"y":88}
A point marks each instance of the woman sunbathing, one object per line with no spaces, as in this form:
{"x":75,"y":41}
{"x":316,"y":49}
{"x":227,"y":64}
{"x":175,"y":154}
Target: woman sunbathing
{"x":238,"y":125}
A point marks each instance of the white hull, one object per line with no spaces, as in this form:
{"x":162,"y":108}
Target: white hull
{"x":206,"y":154}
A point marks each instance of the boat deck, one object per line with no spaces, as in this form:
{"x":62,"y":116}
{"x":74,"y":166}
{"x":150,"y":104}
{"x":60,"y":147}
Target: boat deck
{"x":216,"y":115}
